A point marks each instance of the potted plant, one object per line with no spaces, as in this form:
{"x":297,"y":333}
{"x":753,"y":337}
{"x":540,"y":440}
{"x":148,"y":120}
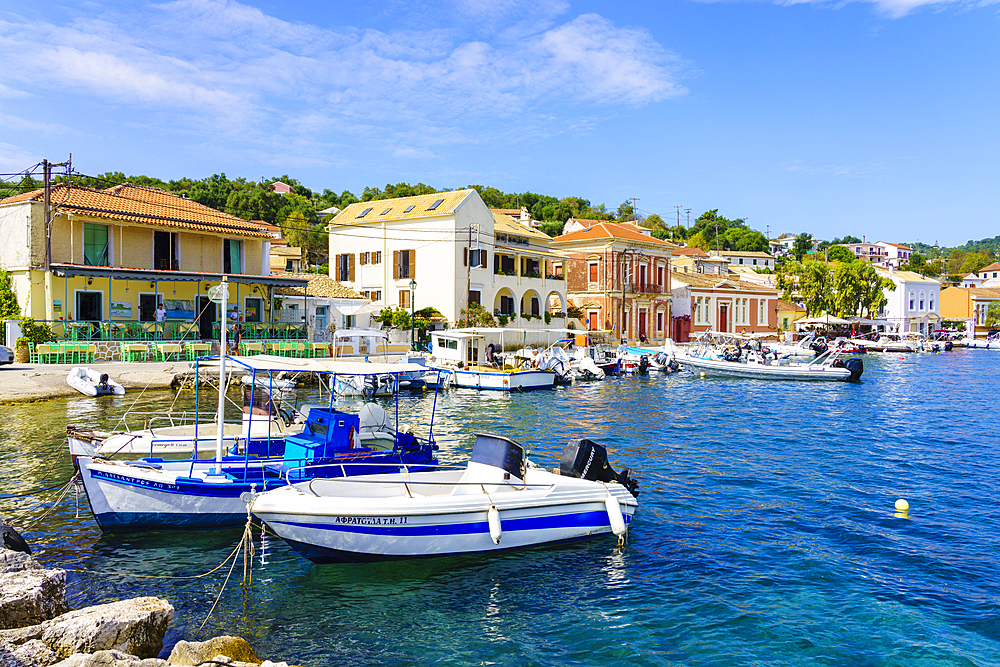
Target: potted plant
{"x":31,"y":333}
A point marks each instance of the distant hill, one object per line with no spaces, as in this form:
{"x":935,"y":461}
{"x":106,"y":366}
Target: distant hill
{"x":991,"y":245}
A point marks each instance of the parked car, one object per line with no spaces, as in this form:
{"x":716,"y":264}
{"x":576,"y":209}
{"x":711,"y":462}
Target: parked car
{"x":6,"y":355}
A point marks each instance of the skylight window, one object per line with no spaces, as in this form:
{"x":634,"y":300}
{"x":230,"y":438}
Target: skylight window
{"x":386,"y":211}
{"x":435,"y":204}
{"x":365,"y":212}
{"x":409,"y":208}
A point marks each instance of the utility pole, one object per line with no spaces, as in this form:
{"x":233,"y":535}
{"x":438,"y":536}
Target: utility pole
{"x":47,"y":201}
{"x":635,"y":211}
{"x":678,"y":215}
{"x":689,"y":217}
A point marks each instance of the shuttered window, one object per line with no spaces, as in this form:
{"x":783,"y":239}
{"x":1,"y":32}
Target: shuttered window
{"x":95,"y":245}
{"x":232,"y":256}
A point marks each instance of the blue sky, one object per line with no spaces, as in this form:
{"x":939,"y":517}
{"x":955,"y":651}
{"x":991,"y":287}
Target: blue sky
{"x":870,"y":118}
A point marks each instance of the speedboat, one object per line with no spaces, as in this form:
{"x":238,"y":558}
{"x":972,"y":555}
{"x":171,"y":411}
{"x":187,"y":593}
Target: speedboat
{"x":991,"y":342}
{"x":89,"y":382}
{"x":156,"y":493}
{"x":475,"y":363}
{"x":500,"y":500}
{"x":718,"y":354}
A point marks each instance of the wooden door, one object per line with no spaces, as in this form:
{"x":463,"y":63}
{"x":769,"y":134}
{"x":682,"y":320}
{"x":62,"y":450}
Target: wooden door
{"x":723,"y":318}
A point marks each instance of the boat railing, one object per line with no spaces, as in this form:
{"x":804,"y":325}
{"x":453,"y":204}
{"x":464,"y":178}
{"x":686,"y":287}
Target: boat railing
{"x":405,"y":483}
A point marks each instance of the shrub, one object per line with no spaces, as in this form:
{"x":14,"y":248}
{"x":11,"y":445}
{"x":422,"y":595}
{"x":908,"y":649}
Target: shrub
{"x":34,"y":333}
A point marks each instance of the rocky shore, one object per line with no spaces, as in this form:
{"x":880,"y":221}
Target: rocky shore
{"x":37,"y":629}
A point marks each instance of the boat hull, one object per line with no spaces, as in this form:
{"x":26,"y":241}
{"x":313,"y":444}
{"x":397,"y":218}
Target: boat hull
{"x":380,"y":521}
{"x":504,"y":381}
{"x":720,"y":368}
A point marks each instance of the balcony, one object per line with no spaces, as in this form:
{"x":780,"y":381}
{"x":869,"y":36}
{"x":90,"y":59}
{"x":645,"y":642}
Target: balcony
{"x":642,"y":288}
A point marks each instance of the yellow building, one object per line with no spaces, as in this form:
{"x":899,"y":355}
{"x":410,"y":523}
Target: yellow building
{"x":110,"y":257}
{"x":787,"y":314}
{"x":970,"y":306}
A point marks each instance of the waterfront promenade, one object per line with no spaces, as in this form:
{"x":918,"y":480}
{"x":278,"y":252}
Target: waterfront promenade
{"x":33,"y":382}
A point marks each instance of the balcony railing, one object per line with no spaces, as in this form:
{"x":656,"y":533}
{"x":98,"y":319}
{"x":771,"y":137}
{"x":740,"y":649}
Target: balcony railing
{"x":126,"y":331}
{"x":642,"y":288}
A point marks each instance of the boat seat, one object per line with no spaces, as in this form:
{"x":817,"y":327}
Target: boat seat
{"x":496,"y":463}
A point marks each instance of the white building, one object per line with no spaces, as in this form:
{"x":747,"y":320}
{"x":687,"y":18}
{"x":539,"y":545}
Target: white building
{"x":915,"y":303}
{"x":741,"y":258}
{"x":448,"y":250}
{"x":971,"y":280}
{"x":990,"y":273}
{"x":893,"y":254}
{"x":323,"y":305}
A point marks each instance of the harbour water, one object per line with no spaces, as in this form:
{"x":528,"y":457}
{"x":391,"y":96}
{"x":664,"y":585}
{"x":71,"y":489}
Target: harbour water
{"x":766,"y":533}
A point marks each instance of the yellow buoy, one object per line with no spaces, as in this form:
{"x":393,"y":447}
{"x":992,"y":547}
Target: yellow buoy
{"x":902,"y":505}
{"x":703,"y":375}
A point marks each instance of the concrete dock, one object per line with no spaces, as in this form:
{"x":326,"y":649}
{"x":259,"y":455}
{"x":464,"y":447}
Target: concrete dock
{"x":33,"y":382}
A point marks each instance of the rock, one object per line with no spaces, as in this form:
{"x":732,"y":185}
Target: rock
{"x":233,"y":648}
{"x":29,"y":593}
{"x":109,"y":659}
{"x":36,"y":654}
{"x":134,"y":626}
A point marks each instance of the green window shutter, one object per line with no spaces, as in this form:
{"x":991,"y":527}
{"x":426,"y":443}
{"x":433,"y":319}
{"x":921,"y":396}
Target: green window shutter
{"x":234,"y":257}
{"x":95,"y":245}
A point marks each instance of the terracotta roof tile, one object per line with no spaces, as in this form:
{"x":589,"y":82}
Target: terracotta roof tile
{"x":691,"y":252}
{"x":144,"y":205}
{"x":322,"y":286}
{"x":608,"y":230}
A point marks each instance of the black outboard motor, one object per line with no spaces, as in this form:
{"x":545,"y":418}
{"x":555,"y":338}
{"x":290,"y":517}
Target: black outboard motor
{"x":585,"y":459}
{"x":644,"y":365}
{"x":856,"y":366}
{"x":673,"y":366}
{"x":948,"y":346}
{"x":660,"y":358}
{"x":818,"y":348}
{"x":370,"y":386}
{"x":10,"y":539}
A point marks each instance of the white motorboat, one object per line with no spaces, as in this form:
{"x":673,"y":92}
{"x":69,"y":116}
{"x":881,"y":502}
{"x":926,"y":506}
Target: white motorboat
{"x":991,"y":342}
{"x":720,"y":354}
{"x":89,"y":382}
{"x":499,"y":501}
{"x":804,"y":347}
{"x":475,"y":363}
{"x":889,"y":342}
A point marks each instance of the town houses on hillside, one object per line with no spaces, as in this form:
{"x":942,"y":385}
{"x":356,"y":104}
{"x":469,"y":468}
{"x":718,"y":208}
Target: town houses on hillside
{"x":447,"y":250}
{"x":619,"y":277}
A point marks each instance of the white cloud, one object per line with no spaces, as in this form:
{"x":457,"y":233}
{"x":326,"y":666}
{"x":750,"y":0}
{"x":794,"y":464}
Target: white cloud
{"x":192,"y":64}
{"x":891,"y":8}
{"x":14,"y":158}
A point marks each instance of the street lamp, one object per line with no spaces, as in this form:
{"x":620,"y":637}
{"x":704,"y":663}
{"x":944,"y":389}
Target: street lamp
{"x":413,"y":291}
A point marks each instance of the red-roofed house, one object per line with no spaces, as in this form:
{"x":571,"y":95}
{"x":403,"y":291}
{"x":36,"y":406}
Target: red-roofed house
{"x":620,"y":278}
{"x":894,"y":255}
{"x":107,"y":259}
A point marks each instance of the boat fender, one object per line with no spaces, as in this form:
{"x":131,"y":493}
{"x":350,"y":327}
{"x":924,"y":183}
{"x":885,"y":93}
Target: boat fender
{"x":496,"y":530}
{"x":615,"y":515}
{"x":12,"y":540}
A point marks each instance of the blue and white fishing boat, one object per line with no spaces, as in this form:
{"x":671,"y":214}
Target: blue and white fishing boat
{"x":155,"y":493}
{"x":500,"y":500}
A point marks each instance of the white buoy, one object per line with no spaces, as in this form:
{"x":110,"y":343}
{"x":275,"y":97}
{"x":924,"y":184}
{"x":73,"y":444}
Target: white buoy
{"x":615,"y":515}
{"x":496,"y":531}
{"x":902,"y":505}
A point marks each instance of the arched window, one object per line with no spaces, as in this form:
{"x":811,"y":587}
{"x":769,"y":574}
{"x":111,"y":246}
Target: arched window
{"x":921,"y":299}
{"x":912,"y":303}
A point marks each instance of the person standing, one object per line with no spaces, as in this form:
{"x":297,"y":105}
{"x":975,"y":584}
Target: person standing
{"x":160,"y":315}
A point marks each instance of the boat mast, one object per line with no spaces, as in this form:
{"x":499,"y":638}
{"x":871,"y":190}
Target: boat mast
{"x":222,"y":296}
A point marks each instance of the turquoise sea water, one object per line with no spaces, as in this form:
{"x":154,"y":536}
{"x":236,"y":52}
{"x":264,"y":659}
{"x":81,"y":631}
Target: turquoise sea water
{"x":765,"y":535}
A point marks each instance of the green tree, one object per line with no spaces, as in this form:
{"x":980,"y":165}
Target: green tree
{"x":811,"y":282}
{"x":802,"y":246}
{"x":839,"y":253}
{"x":476,"y":316}
{"x":847,"y":289}
{"x":873,"y":286}
{"x":301,"y":233}
{"x":993,"y":314}
{"x":9,"y":309}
